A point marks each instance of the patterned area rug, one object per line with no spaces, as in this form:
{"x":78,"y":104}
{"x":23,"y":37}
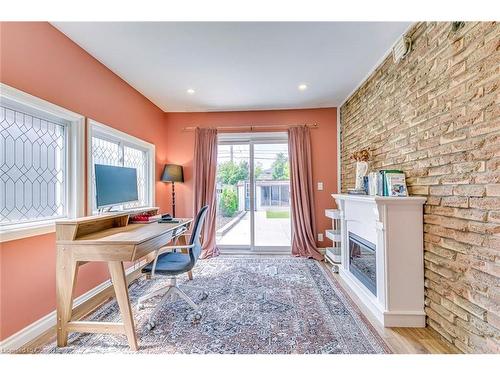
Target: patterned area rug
{"x":256,"y":304}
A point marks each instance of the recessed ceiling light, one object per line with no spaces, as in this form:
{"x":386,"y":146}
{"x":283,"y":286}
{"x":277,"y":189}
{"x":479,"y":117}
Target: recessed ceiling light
{"x":190,"y":91}
{"x":302,"y":87}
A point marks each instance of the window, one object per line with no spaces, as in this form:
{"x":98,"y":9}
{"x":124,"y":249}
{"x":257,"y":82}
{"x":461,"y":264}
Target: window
{"x":275,"y":195}
{"x":265,"y":200}
{"x":112,"y":147}
{"x":40,"y":146}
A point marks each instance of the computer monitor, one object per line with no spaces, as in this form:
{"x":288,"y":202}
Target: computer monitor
{"x":115,"y":185}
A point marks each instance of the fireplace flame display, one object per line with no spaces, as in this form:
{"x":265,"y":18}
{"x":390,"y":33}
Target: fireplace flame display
{"x":362,"y":261}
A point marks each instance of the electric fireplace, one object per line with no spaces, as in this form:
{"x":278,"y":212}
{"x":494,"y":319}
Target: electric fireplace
{"x":383,"y":256}
{"x":362,"y":261}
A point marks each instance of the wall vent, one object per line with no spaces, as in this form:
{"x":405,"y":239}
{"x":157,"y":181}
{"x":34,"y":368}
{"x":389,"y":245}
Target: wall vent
{"x":401,"y":48}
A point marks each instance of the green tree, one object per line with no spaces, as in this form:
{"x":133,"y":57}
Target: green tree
{"x":229,"y":173}
{"x":228,"y":201}
{"x":281,"y":170}
{"x":258,"y":171}
{"x":244,"y":167}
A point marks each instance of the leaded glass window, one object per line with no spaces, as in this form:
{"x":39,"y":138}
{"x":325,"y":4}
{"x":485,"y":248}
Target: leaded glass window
{"x":112,"y":150}
{"x":138,"y":159}
{"x":33,"y":165}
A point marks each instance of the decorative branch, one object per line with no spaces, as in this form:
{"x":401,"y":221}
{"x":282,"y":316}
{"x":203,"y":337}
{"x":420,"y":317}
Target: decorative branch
{"x":362,"y":155}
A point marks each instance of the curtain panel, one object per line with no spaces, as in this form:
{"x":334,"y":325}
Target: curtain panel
{"x":205,"y":169}
{"x":301,"y":191}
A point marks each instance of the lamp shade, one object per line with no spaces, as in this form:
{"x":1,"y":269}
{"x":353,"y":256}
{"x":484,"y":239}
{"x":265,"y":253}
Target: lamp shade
{"x":172,"y":173}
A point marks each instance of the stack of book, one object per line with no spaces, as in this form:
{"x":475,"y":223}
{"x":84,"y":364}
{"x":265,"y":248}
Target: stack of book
{"x":387,"y":183}
{"x":144,"y":219}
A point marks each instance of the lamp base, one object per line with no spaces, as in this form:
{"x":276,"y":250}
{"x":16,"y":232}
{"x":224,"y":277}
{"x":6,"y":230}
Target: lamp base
{"x":173,"y":199}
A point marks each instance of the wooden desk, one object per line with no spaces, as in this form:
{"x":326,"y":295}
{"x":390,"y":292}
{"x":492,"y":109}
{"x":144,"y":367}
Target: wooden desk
{"x":104,"y":238}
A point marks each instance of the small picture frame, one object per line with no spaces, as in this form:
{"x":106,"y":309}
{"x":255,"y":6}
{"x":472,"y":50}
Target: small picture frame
{"x":396,"y":185}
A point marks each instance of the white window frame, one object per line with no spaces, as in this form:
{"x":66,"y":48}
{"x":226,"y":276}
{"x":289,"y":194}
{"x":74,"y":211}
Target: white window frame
{"x":75,"y":170}
{"x":106,"y":132}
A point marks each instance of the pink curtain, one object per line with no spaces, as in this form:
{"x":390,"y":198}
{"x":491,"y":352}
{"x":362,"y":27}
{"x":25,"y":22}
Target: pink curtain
{"x":301,"y":190}
{"x":205,"y":169}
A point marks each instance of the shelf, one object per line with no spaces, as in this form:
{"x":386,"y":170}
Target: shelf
{"x":333,"y":254}
{"x":333,"y":235}
{"x":333,"y":249}
{"x":332,"y":213}
{"x":334,"y":260}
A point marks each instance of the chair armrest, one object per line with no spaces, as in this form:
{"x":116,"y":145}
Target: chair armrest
{"x":183,"y":234}
{"x":166,"y":249}
{"x":176,"y":246}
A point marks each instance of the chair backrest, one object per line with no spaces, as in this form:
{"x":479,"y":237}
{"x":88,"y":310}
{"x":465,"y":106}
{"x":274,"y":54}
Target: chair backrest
{"x":195,"y":239}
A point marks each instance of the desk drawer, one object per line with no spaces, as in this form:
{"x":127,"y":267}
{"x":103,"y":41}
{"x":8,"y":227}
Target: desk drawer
{"x":99,"y":252}
{"x":153,"y":244}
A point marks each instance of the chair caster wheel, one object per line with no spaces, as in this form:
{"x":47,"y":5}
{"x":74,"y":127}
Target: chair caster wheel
{"x":197,"y":317}
{"x":150,"y":326}
{"x":204,"y":296}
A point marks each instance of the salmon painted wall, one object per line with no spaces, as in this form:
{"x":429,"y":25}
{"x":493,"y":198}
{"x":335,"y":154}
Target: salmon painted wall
{"x":38,"y":59}
{"x":180,"y":145}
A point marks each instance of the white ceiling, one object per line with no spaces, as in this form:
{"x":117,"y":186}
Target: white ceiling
{"x":238,"y":66}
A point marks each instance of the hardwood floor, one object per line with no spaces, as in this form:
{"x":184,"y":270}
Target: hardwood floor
{"x":400,"y":340}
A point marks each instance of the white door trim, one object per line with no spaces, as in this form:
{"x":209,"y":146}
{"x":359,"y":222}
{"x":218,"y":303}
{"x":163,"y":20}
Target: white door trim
{"x":252,"y":139}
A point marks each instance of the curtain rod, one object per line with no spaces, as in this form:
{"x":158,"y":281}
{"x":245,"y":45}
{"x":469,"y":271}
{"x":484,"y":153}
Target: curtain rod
{"x":252,"y":127}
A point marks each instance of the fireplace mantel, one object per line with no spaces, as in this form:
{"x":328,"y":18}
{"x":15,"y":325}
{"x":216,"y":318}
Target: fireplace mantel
{"x":395,"y":226}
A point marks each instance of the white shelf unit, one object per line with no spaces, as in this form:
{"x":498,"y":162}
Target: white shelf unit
{"x":333,"y":253}
{"x":333,"y":235}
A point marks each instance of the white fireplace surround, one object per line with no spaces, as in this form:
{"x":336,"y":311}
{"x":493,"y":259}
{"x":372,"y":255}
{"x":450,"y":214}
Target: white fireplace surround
{"x":395,"y":226}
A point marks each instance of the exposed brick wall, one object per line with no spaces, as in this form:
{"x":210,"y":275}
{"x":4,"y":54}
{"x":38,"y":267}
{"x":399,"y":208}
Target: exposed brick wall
{"x":436,"y":115}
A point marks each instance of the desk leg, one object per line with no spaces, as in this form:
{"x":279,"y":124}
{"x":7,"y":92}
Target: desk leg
{"x":121,"y":291}
{"x":67,"y":271}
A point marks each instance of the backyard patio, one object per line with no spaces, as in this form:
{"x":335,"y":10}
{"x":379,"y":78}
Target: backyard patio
{"x":272,"y":228}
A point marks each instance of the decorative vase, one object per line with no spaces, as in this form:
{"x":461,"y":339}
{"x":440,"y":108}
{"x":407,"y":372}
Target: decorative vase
{"x":361,"y":169}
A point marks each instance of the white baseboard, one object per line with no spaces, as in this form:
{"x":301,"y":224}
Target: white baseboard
{"x":404,"y":319}
{"x":35,"y":329}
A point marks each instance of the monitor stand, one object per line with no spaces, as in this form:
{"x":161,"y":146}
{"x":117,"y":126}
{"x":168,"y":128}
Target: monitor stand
{"x":110,"y":209}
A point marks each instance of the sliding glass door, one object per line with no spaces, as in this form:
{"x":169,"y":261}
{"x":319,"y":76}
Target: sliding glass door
{"x":253,"y":192}
{"x":272,"y":195}
{"x":233,"y":199}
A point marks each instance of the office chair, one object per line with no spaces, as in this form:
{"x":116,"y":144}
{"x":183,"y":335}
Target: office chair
{"x":171,"y":261}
